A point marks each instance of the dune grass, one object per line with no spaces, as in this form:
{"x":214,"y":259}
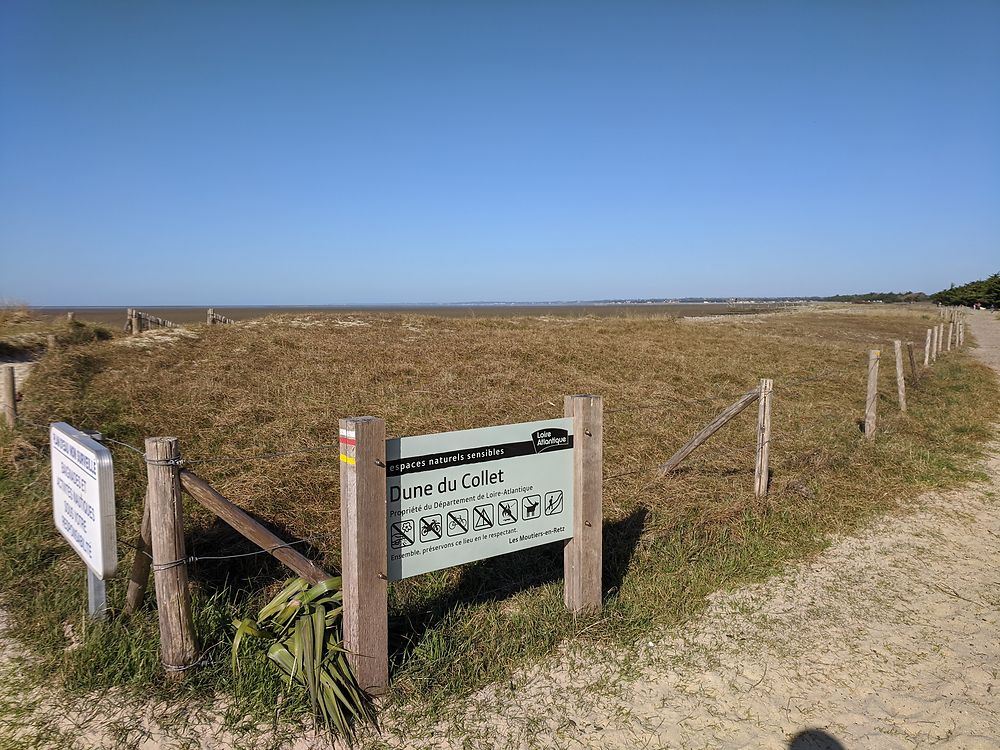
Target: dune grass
{"x":282,"y":383}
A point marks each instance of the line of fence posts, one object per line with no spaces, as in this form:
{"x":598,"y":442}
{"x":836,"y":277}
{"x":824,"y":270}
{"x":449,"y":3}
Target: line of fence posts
{"x":933,"y":343}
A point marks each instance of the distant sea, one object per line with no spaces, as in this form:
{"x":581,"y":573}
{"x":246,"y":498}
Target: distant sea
{"x":116,"y":315}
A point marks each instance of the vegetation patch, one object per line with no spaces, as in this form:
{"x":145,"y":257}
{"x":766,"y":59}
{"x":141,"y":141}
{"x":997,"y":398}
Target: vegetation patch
{"x":237,"y":396}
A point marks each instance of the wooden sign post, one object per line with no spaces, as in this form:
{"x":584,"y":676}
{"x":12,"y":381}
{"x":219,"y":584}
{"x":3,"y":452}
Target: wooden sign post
{"x":583,"y":554}
{"x":363,"y":550}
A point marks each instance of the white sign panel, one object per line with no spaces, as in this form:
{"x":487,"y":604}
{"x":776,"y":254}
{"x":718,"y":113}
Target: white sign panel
{"x":83,"y":497}
{"x":456,"y":497}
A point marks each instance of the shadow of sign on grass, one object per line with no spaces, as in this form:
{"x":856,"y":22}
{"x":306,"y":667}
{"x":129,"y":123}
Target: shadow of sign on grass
{"x":502,"y":577}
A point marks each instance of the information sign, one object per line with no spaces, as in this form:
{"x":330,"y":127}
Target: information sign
{"x":455,"y":497}
{"x":83,"y":497}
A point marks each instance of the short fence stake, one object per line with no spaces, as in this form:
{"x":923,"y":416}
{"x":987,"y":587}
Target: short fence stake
{"x":900,"y":380}
{"x":760,"y":476}
{"x":927,"y":348}
{"x":951,"y":330}
{"x":166,"y":515}
{"x":364,"y":558}
{"x":934,"y":345}
{"x":940,"y":339}
{"x":139,"y":578}
{"x":872,"y":400}
{"x":914,"y":373}
{"x":8,"y":396}
{"x":583,"y":554}
{"x":211,"y":316}
{"x":70,"y":317}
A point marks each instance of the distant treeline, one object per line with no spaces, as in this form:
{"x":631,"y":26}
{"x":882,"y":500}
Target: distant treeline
{"x":877,"y":297}
{"x":984,"y":291}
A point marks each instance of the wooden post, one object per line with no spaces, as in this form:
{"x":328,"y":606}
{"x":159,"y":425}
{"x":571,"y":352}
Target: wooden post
{"x":51,"y":343}
{"x":914,"y":373}
{"x":139,"y":578}
{"x":583,"y":554}
{"x":760,"y":477}
{"x":251,"y":528}
{"x":927,"y":348}
{"x":364,"y":558}
{"x":70,"y":317}
{"x":211,"y":316}
{"x":166,"y":515}
{"x":934,"y":345}
{"x":961,"y":333}
{"x":710,"y":429}
{"x":871,"y":402}
{"x":900,"y":380}
{"x":951,"y":331}
{"x":940,"y":339}
{"x":136,"y":323}
{"x":8,"y":396}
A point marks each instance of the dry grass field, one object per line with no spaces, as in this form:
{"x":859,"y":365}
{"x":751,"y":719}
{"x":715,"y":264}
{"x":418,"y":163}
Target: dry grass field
{"x":280,"y":384}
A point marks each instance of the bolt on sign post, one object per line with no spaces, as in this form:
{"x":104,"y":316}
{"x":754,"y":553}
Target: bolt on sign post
{"x":871,"y":402}
{"x":83,"y":506}
{"x":417,"y":504}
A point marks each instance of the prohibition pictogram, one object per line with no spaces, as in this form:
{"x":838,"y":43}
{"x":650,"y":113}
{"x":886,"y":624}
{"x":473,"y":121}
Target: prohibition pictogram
{"x":401,"y":534}
{"x":507,"y":512}
{"x":531,"y":507}
{"x":457,"y":522}
{"x":482,"y":517}
{"x":430,"y":528}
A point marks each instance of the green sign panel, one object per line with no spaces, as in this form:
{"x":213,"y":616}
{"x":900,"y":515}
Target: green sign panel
{"x":456,"y":497}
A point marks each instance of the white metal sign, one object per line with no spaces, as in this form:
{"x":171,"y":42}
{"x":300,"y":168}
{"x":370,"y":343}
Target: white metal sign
{"x":83,"y":497}
{"x":455,"y":497}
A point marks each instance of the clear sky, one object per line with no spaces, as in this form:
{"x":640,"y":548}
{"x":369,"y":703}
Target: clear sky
{"x":225,"y":153}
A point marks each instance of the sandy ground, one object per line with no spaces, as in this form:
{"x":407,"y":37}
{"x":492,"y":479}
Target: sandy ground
{"x":889,"y":639}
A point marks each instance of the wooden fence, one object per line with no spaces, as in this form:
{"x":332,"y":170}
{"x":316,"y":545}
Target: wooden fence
{"x":161,"y":545}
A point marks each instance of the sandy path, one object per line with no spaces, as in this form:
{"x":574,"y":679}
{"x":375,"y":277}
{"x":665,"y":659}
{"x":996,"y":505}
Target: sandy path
{"x":887,"y":640}
{"x":890,"y":639}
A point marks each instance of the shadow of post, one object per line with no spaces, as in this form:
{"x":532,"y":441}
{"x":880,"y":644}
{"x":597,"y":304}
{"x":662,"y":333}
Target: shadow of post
{"x":814,"y":739}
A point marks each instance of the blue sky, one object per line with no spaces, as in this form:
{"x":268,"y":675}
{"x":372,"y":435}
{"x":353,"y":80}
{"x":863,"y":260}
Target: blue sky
{"x":332,"y":152}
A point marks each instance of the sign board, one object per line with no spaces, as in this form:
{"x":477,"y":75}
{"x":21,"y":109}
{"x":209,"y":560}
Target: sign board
{"x":83,"y":497}
{"x":455,"y":497}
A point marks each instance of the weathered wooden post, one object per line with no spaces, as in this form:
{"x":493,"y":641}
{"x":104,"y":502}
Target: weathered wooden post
{"x":211,"y":316}
{"x":871,"y":402}
{"x":70,"y":317}
{"x":951,"y":331}
{"x":900,"y":381}
{"x":914,"y":373}
{"x":166,"y":514}
{"x":364,"y":558}
{"x":8,"y":396}
{"x":760,"y":474}
{"x":51,"y":343}
{"x":940,"y":339}
{"x":927,"y":348}
{"x":136,"y":323}
{"x":583,"y":554}
{"x":934,"y":345}
{"x":139,"y":577}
